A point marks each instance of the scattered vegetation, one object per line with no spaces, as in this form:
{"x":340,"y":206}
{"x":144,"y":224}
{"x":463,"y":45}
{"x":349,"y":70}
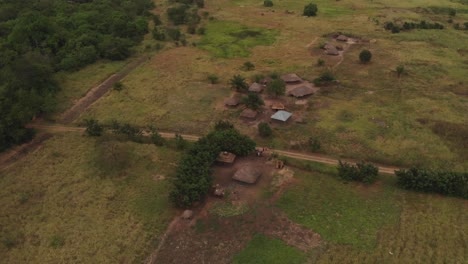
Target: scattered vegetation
{"x":313,"y":144}
{"x":93,"y":128}
{"x":362,"y":172}
{"x":248,"y":66}
{"x":253,"y":101}
{"x":324,"y":78}
{"x":238,"y":82}
{"x":406,"y":26}
{"x":276,"y":87}
{"x":213,"y":78}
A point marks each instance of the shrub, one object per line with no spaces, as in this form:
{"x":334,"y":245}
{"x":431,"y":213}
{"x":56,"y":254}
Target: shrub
{"x":213,"y":78}
{"x":268,"y":3}
{"x":276,"y":87}
{"x":264,"y":130}
{"x":365,"y":56}
{"x":156,"y":138}
{"x":174,"y":33}
{"x":177,"y":14}
{"x":325,"y":77}
{"x":56,"y":241}
{"x":118,"y":86}
{"x":452,"y":12}
{"x":159,"y":34}
{"x":248,"y":66}
{"x":310,"y":10}
{"x":362,"y":172}
{"x":253,"y":101}
{"x":157,"y":20}
{"x":223,"y":125}
{"x":443,"y":182}
{"x":93,"y":128}
{"x":180,"y":142}
{"x":201,"y":31}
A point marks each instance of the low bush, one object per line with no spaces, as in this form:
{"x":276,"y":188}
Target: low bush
{"x":268,"y":3}
{"x":264,"y":130}
{"x":361,"y":172}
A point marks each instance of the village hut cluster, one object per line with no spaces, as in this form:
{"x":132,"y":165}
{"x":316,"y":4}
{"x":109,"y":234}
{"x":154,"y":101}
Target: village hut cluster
{"x":276,"y":108}
{"x":332,"y":49}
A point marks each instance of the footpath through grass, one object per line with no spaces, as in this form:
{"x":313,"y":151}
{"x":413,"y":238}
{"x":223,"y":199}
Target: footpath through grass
{"x":84,"y":200}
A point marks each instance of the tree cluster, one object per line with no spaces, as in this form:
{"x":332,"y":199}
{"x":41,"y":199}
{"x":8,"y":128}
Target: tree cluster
{"x":406,"y":26}
{"x":361,"y":172}
{"x":193,"y":176}
{"x":443,"y":182}
{"x":38,"y":38}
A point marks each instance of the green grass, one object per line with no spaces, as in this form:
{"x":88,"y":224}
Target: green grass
{"x":339,"y":212}
{"x":59,"y":206}
{"x":227,"y":39}
{"x":380,"y":223}
{"x":264,"y":250}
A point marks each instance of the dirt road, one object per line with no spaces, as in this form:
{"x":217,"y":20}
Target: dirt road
{"x":295,"y":155}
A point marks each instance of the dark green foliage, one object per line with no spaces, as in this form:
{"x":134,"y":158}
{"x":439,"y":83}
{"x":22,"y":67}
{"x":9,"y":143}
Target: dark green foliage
{"x":452,"y":12}
{"x":276,"y":87}
{"x":213,"y":78}
{"x":93,"y":128}
{"x":201,"y":31}
{"x":365,"y":56}
{"x":324,"y":78}
{"x":174,"y":33}
{"x":156,"y":138}
{"x":118,"y":86}
{"x":180,"y":142}
{"x":264,"y":130}
{"x":193,"y":176}
{"x":400,"y":69}
{"x":177,"y":14}
{"x":313,"y":144}
{"x":362,"y":172}
{"x":268,"y":3}
{"x":130,"y":132}
{"x":157,"y":20}
{"x":310,"y":10}
{"x":443,"y":182}
{"x":253,"y":101}
{"x":258,"y":78}
{"x":248,"y":66}
{"x":238,"y":82}
{"x":223,"y":125}
{"x":406,"y":26}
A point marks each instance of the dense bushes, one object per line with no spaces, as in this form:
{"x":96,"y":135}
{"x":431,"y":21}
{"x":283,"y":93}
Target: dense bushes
{"x":268,"y":3}
{"x":310,"y":10}
{"x":396,"y":28}
{"x":362,"y":172}
{"x":193,"y":176}
{"x":365,"y":56}
{"x":443,"y":182}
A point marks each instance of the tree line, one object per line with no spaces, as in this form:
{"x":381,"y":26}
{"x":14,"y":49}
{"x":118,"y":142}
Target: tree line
{"x":38,"y":38}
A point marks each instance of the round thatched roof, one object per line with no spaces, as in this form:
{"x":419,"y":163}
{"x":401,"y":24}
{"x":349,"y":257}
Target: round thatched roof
{"x":247,"y":174}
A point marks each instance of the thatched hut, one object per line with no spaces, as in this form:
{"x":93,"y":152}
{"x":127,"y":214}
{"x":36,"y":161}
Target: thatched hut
{"x":332,"y":50}
{"x":291,"y":78}
{"x":303,"y":90}
{"x":231,"y":102}
{"x":342,"y":38}
{"x":249,"y":113}
{"x":247,"y":174}
{"x":187,"y":214}
{"x":256,"y":88}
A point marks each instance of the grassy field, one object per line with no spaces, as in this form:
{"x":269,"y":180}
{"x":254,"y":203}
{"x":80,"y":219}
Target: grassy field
{"x":371,"y":115}
{"x":85,"y":200}
{"x":379,"y":223}
{"x":264,"y":250}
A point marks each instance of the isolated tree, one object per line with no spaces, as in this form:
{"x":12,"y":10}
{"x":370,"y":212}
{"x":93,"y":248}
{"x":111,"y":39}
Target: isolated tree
{"x":276,"y":87}
{"x":264,"y":130}
{"x":253,"y":101}
{"x":268,"y":3}
{"x":310,"y":10}
{"x":93,"y":128}
{"x":365,"y":56}
{"x":238,"y":82}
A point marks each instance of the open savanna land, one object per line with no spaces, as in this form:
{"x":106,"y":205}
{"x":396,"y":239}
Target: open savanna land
{"x":81,"y":200}
{"x":418,"y":118}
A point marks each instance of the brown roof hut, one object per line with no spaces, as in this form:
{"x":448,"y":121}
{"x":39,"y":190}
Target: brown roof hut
{"x":249,"y":113}
{"x":247,"y":174}
{"x":291,"y":78}
{"x":226,"y":157}
{"x":256,"y":88}
{"x":231,"y":101}
{"x":332,"y":50}
{"x":342,"y":38}
{"x":277,"y":106}
{"x":303,"y":90}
